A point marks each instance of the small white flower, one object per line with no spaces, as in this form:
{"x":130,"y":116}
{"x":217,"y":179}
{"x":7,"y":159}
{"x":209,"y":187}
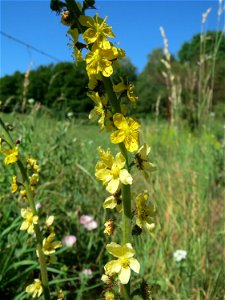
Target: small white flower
{"x":38,"y":205}
{"x":87,"y":273}
{"x":179,"y":255}
{"x":70,"y":114}
{"x":31,"y":101}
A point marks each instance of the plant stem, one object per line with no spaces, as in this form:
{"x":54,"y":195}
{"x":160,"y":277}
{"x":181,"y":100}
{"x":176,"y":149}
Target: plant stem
{"x":126,"y":190}
{"x":39,"y":238}
{"x":114,"y":101}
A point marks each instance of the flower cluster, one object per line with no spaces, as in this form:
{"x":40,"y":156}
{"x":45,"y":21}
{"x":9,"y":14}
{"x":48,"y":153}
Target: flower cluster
{"x":124,"y":264}
{"x":24,"y":183}
{"x":88,"y":222}
{"x":35,"y":288}
{"x":111,"y":171}
{"x":113,"y":104}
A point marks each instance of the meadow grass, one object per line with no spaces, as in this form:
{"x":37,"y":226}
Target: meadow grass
{"x":187,"y":187}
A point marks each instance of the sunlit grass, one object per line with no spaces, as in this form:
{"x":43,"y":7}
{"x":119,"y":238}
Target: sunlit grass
{"x":187,"y":188}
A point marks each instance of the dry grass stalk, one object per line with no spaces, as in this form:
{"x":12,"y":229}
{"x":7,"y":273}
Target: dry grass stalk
{"x":172,"y":82}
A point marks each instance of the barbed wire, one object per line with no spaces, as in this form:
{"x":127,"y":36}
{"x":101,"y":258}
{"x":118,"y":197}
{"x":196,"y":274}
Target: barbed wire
{"x":29,"y":46}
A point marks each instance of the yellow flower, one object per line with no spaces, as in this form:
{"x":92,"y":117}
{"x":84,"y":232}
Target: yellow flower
{"x":34,"y":179}
{"x":23,"y":194}
{"x":99,"y":109}
{"x":141,"y":159}
{"x":125,"y":262}
{"x":111,"y":171}
{"x":33,"y":165}
{"x":106,"y":157}
{"x":14,"y":186}
{"x":127,"y":132}
{"x":121,"y":87}
{"x":100,"y":60}
{"x":35,"y":288}
{"x":145,"y":213}
{"x":113,"y":201}
{"x":49,"y":245}
{"x":109,"y":296}
{"x":49,"y":221}
{"x":30,"y":220}
{"x":98,"y":31}
{"x":106,"y":279}
{"x":12,"y":155}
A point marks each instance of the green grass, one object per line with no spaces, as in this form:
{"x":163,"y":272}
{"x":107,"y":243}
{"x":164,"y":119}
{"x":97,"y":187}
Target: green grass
{"x":187,"y":187}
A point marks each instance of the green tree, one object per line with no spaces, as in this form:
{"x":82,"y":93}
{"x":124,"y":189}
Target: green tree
{"x":203,"y":75}
{"x":126,"y":70}
{"x":190,"y":51}
{"x":38,"y":83}
{"x":10,"y":91}
{"x":67,"y":87}
{"x":151,"y":84}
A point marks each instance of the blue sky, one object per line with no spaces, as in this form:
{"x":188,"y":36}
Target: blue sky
{"x":135,"y":24}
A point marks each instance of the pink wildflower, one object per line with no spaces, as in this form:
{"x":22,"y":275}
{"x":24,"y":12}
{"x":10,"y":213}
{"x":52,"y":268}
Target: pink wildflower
{"x":88,"y":222}
{"x":69,"y":240}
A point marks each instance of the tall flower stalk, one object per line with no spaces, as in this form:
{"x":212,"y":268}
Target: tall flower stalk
{"x":25,"y":185}
{"x":112,"y":106}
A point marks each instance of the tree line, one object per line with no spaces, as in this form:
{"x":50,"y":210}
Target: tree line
{"x":63,"y":86}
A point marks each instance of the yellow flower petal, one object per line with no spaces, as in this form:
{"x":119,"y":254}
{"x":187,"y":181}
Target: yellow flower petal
{"x":120,"y":121}
{"x":125,"y":177}
{"x":104,"y":175}
{"x":120,"y":160}
{"x":112,"y":267}
{"x":134,"y":125}
{"x":124,"y":275}
{"x":49,"y":221}
{"x":110,"y":202}
{"x":35,"y":288}
{"x":113,"y":186}
{"x":131,"y":142}
{"x":24,"y":225}
{"x":12,"y":155}
{"x":107,"y":71}
{"x":14,"y":186}
{"x":118,"y":250}
{"x":90,"y":36}
{"x":30,"y":229}
{"x":117,"y":137}
{"x":134,"y":264}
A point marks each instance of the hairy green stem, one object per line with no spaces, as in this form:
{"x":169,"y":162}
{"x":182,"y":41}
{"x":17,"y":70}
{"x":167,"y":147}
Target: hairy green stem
{"x":113,"y":100}
{"x":39,"y":238}
{"x":126,"y":190}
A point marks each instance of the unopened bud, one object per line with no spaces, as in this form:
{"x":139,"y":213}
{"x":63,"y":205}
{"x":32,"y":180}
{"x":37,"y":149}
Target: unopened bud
{"x":65,"y":18}
{"x":109,"y":227}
